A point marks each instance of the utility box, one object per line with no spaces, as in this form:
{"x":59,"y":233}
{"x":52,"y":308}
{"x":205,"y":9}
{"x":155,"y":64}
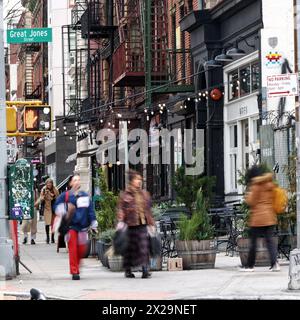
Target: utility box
{"x":175,"y":264}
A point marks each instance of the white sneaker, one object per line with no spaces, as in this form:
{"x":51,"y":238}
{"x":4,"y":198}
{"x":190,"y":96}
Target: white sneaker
{"x":247,"y":269}
{"x":276,"y":267}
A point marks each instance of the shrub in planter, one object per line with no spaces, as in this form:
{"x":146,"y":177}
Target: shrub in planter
{"x":196,"y":244}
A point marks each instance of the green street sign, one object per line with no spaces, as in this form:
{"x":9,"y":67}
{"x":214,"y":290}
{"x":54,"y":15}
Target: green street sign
{"x":29,"y":35}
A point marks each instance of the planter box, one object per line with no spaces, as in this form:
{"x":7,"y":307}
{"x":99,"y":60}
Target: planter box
{"x":102,"y":248}
{"x":262,"y":254}
{"x":115,"y":263}
{"x":197,"y":254}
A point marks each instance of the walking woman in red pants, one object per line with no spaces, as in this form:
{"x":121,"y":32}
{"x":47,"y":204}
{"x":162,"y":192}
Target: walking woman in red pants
{"x":79,"y":218}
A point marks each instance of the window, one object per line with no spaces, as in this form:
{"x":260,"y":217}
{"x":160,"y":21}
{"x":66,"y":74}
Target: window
{"x":233,"y":129}
{"x":255,"y":76}
{"x":243,"y":81}
{"x":233,"y":136}
{"x":233,"y":85}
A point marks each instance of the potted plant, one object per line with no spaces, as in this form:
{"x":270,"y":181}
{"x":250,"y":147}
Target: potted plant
{"x":106,"y":216}
{"x":196,"y":245}
{"x":243,"y":241}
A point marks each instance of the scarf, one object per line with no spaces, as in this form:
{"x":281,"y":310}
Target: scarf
{"x":139,"y":203}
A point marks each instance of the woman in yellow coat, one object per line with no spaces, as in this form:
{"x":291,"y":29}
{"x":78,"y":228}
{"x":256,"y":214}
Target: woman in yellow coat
{"x":48,"y":195}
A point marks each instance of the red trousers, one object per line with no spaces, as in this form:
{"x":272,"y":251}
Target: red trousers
{"x":77,"y":251}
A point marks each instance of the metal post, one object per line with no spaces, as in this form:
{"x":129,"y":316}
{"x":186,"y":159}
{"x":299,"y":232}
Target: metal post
{"x":7,"y":266}
{"x":294,"y":268}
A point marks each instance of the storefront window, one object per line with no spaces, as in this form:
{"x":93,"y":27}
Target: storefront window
{"x":233,"y":156}
{"x":233,"y":85}
{"x":243,"y":81}
{"x":255,"y":76}
{"x":233,"y":136}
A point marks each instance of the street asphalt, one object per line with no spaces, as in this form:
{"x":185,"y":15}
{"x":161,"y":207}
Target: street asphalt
{"x":50,"y":274}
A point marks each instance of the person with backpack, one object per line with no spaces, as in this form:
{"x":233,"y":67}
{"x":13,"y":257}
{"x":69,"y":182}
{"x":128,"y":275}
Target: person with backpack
{"x":78,"y":217}
{"x":262,"y":197}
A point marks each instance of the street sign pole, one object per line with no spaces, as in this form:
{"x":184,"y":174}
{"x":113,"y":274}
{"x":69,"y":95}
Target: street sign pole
{"x":7,"y":265}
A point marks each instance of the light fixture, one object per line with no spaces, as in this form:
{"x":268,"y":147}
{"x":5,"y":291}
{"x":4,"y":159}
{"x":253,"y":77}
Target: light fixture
{"x":236,"y":52}
{"x":57,"y":129}
{"x":152,"y":112}
{"x":65,"y":128}
{"x":212,"y":64}
{"x":223,"y":57}
{"x":101,"y":121}
{"x":76,"y":124}
{"x":46,"y":110}
{"x":189,"y":99}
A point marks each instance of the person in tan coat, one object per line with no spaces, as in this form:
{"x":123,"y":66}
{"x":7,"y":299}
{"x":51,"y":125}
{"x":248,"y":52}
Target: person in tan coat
{"x":48,"y":194}
{"x":263,"y":219}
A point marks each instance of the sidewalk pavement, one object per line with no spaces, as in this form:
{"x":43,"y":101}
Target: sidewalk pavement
{"x":51,"y":276}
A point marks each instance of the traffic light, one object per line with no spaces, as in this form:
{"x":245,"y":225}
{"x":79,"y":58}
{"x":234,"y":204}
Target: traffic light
{"x":37,"y":119}
{"x":11,"y":119}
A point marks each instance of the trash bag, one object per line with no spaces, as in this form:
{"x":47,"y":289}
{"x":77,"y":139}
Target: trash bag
{"x":155,"y":245}
{"x":120,"y":242}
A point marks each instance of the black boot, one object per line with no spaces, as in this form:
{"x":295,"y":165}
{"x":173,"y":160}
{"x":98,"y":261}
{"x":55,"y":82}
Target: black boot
{"x":129,"y":274}
{"x":47,"y":234}
{"x":146,"y":274}
{"x":52,"y":238}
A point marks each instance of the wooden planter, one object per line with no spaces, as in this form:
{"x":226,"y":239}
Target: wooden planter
{"x":197,"y":254}
{"x":115,"y":263}
{"x":262,"y":253}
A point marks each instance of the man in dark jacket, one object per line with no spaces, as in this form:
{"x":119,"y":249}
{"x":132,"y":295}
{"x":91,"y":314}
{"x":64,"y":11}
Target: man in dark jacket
{"x":80,"y":216}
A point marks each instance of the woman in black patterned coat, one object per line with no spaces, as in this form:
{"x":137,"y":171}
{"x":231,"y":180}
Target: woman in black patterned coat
{"x":134,"y":210}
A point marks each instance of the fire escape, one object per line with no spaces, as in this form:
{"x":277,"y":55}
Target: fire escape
{"x":143,"y":57}
{"x":86,"y":44}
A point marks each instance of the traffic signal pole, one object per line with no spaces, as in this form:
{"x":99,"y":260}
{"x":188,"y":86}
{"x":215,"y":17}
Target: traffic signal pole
{"x":7,"y":264}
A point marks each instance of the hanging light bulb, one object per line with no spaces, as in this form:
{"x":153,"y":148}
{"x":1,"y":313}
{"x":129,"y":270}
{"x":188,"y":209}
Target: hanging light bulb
{"x":76,"y":124}
{"x":145,"y":110}
{"x":66,"y":133}
{"x":109,"y":124}
{"x":200,"y":94}
{"x":196,"y":100}
{"x":128,"y":121}
{"x":65,"y":128}
{"x":71,"y":138}
{"x":152,"y":112}
{"x":57,"y":129}
{"x":113,"y":125}
{"x":101,"y":120}
{"x":189,"y":99}
{"x":148,"y":118}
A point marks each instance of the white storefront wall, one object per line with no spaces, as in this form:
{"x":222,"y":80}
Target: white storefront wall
{"x":240,"y":129}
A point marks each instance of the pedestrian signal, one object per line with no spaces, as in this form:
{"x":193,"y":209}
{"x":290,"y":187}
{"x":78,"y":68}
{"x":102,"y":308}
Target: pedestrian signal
{"x":37,"y":119}
{"x":11,"y":119}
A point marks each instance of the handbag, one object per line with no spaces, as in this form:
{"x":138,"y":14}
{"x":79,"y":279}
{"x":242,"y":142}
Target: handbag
{"x":120,"y":242}
{"x":65,"y":220}
{"x":155,"y":244}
